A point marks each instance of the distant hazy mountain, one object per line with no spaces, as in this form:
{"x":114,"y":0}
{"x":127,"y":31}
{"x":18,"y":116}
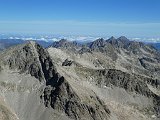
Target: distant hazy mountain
{"x":44,"y":43}
{"x":157,"y":45}
{"x":6,"y":43}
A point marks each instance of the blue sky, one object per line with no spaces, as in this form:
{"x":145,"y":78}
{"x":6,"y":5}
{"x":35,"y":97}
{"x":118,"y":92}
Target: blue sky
{"x":133,"y":18}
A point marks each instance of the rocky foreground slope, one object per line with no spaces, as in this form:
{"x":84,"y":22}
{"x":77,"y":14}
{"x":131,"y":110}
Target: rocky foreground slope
{"x":113,"y":79}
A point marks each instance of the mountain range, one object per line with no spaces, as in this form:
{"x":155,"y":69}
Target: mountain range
{"x":7,"y":42}
{"x":113,"y":79}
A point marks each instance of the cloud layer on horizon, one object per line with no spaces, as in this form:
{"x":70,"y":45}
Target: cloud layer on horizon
{"x":69,"y":27}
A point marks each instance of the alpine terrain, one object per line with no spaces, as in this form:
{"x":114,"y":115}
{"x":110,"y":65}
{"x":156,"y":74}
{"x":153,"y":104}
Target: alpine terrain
{"x":113,"y":79}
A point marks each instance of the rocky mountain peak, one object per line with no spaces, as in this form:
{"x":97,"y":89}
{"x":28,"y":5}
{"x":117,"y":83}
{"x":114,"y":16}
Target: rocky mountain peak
{"x":30,"y":58}
{"x":63,"y":43}
{"x":97,"y":43}
{"x":111,"y":38}
{"x":122,"y":38}
{"x":119,"y":42}
{"x":112,"y":41}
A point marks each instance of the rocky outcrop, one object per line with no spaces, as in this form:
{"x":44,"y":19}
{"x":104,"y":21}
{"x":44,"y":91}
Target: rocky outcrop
{"x":25,"y":58}
{"x":60,"y":96}
{"x":131,"y":83}
{"x":67,"y":63}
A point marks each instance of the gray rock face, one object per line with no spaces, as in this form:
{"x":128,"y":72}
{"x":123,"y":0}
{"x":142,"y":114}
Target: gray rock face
{"x":67,"y":63}
{"x":26,"y":59}
{"x":147,"y":64}
{"x":131,"y":83}
{"x":60,"y":96}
